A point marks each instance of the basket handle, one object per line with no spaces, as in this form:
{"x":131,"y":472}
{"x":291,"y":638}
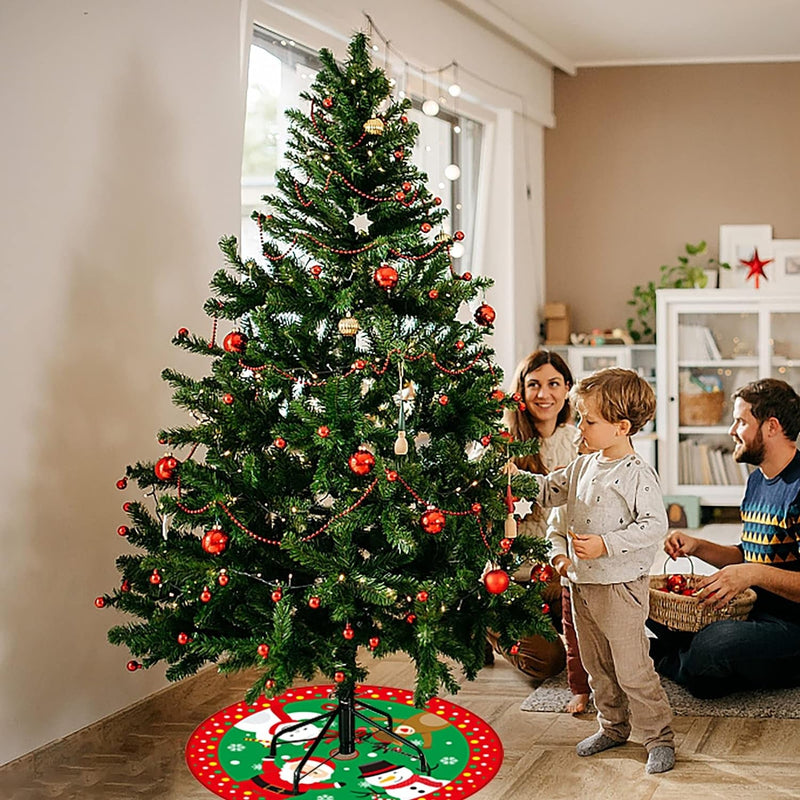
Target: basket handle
{"x":688,"y":558}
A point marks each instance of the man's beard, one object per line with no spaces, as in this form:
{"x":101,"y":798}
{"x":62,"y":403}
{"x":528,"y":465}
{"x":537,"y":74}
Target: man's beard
{"x":752,"y":454}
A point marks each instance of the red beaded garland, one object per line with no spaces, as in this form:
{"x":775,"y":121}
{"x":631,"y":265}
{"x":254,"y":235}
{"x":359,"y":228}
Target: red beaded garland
{"x":467,"y":276}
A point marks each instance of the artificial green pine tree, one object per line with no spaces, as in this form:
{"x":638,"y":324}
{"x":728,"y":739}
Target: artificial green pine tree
{"x":340,"y":488}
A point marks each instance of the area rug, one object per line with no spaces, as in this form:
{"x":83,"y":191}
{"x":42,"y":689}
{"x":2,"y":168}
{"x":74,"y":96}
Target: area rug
{"x":553,"y":695}
{"x":230,"y":752}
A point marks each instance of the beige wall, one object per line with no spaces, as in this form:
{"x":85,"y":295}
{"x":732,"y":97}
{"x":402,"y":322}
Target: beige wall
{"x":644,"y":159}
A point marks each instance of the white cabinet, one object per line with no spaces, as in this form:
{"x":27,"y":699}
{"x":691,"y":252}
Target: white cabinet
{"x":583,"y":360}
{"x":710,"y":342}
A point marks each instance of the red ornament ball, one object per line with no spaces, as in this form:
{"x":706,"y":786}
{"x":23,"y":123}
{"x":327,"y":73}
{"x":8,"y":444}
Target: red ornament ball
{"x":498,"y":394}
{"x":339,"y":677}
{"x":545,"y":608}
{"x":126,"y":507}
{"x":505,"y":544}
{"x":460,"y":345}
{"x":386,"y":277}
{"x":215,"y":541}
{"x":316,"y":270}
{"x":676,"y":583}
{"x":391,"y":476}
{"x":277,"y":595}
{"x":433,"y":294}
{"x":132,"y":666}
{"x":496,"y":581}
{"x":125,"y":586}
{"x":422,"y":596}
{"x":404,"y":119}
{"x":234,"y":342}
{"x":484,"y":314}
{"x":361,"y":462}
{"x":476,"y":508}
{"x":223,"y":579}
{"x":280,"y":443}
{"x":467,"y":276}
{"x":123,"y":530}
{"x":514,"y":649}
{"x":486,"y":440}
{"x":444,"y":400}
{"x":374,"y":642}
{"x":227,"y":399}
{"x":155,"y":577}
{"x":324,"y":431}
{"x":122,"y":483}
{"x":542,"y":573}
{"x":100,"y":602}
{"x":433,"y":521}
{"x":437,"y":201}
{"x":263,"y":650}
{"x":183,"y":638}
{"x":411,"y":618}
{"x":522,"y":407}
{"x":360,"y":364}
{"x":406,"y":186}
{"x":165,"y":467}
{"x":459,"y":236}
{"x":327,"y":102}
{"x":348,"y":632}
{"x":183,"y":332}
{"x":205,"y":595}
{"x":398,"y":154}
{"x":399,"y":196}
{"x":516,"y":397}
{"x":425,"y":227}
{"x":313,"y":602}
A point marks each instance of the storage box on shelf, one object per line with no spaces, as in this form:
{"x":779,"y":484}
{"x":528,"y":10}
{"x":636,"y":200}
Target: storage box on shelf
{"x":710,"y":342}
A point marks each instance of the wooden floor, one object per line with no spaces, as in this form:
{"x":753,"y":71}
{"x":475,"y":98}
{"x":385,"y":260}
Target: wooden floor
{"x":138,"y":753}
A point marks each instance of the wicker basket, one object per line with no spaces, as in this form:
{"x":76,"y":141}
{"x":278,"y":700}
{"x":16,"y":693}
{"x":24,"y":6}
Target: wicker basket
{"x":704,"y":408}
{"x":684,"y":613}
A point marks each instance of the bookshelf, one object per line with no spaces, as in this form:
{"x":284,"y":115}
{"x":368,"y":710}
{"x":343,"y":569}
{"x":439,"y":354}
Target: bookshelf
{"x":710,"y":342}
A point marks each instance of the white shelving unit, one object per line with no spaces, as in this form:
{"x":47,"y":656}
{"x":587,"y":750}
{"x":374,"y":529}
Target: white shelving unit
{"x":710,"y":342}
{"x":583,"y":360}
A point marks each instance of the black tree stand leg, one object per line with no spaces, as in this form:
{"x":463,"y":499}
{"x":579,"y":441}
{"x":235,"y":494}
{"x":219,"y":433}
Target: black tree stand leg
{"x":347,"y":713}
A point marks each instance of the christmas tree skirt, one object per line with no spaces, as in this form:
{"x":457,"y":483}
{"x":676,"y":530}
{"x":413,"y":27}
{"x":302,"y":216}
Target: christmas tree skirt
{"x":553,"y":695}
{"x":230,"y":752}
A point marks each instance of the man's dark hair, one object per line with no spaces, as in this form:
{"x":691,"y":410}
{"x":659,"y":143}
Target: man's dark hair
{"x":769,"y":397}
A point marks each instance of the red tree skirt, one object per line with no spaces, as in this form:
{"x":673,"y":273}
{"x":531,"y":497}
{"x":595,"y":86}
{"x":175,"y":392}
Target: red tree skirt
{"x":229,"y":752}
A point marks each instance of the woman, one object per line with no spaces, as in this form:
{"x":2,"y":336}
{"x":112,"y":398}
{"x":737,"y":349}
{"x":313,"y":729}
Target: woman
{"x":543,"y":379}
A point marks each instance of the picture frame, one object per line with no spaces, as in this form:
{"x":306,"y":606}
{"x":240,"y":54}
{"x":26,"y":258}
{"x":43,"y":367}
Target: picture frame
{"x":785,"y":272}
{"x":737,"y":243}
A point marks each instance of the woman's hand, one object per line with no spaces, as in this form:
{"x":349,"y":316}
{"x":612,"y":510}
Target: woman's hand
{"x":561,"y":564}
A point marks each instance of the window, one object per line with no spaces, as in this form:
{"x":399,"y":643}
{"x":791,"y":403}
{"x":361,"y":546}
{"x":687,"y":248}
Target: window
{"x":279,"y":70}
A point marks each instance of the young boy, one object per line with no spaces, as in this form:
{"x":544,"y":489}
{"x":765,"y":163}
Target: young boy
{"x":616,"y":521}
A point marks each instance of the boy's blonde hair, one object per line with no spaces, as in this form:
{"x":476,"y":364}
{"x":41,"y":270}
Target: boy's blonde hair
{"x":619,"y":394}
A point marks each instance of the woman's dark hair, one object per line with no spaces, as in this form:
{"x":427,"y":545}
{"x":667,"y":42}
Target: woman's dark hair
{"x":521,"y":423}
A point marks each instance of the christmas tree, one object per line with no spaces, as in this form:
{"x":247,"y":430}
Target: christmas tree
{"x":340,"y":488}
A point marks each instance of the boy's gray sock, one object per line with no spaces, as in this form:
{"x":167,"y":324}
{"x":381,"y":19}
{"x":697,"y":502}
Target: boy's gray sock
{"x":596,"y":743}
{"x":660,"y":759}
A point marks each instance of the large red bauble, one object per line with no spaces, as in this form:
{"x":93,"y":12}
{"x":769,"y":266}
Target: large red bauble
{"x":386,"y":277}
{"x":234,"y":342}
{"x":361,"y":462}
{"x":432,"y":521}
{"x":484,"y":314}
{"x":215,"y":541}
{"x":165,"y":467}
{"x":496,"y":581}
{"x":676,"y":583}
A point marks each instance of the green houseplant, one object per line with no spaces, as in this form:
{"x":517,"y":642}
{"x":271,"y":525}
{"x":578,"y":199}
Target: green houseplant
{"x":690,"y":272}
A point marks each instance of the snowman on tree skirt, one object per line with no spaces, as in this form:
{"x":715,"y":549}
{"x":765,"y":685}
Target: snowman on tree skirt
{"x":400,"y":783}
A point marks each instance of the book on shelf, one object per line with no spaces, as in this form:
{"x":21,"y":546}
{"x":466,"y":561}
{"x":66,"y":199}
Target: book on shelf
{"x":697,"y":343}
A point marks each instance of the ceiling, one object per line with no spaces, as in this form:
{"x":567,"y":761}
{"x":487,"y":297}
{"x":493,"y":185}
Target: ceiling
{"x":579,"y":33}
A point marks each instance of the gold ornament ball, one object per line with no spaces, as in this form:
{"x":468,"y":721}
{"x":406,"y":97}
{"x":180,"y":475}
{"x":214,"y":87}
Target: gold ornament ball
{"x":348,"y":326}
{"x":374,"y":126}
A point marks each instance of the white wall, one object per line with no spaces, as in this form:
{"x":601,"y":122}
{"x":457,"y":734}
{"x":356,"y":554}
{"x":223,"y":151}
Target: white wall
{"x":120,"y":153}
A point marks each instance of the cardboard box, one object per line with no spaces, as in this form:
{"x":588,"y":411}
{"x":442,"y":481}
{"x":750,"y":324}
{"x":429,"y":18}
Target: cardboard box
{"x":556,"y":323}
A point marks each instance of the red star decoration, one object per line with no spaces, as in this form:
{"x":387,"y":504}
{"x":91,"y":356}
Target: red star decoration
{"x":756,"y":266}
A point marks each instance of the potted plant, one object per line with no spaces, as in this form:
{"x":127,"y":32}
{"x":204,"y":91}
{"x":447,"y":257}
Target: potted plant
{"x":689,"y":273}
